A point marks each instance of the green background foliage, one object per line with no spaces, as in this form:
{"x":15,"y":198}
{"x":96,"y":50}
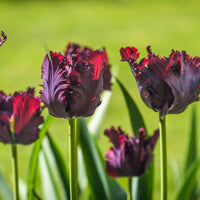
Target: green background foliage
{"x":31,"y":26}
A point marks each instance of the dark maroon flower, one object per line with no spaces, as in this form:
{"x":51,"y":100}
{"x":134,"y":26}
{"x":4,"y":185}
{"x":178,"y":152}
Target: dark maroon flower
{"x":4,"y":38}
{"x":129,"y":156}
{"x":166,"y":84}
{"x":73,"y":81}
{"x":19,"y":117}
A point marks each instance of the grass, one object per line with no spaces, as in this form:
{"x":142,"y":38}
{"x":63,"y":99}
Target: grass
{"x":30,"y":26}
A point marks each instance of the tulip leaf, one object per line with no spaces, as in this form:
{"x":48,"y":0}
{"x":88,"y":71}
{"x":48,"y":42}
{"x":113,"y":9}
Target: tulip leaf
{"x":60,"y":165}
{"x":82,"y":177}
{"x":188,"y":183}
{"x":192,"y":148}
{"x":136,"y":118}
{"x":102,"y":186}
{"x":142,"y":186}
{"x":5,"y":190}
{"x":116,"y":191}
{"x":96,"y":121}
{"x":56,"y":174}
{"x":33,"y":162}
{"x":47,"y":180}
{"x":176,"y":172}
{"x":192,"y":145}
{"x":94,"y":169}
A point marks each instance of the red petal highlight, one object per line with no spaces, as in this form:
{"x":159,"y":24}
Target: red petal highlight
{"x":23,"y":109}
{"x":96,"y":59}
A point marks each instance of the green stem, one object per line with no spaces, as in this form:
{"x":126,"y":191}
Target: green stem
{"x":15,"y":172}
{"x":130,"y":195}
{"x":73,"y":159}
{"x":163,"y":158}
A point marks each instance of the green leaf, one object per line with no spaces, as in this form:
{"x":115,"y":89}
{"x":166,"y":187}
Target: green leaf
{"x":60,"y":166}
{"x":192,"y":145}
{"x":48,"y":182}
{"x":116,"y":191}
{"x":102,"y":186}
{"x":82,"y":177}
{"x":189,"y":182}
{"x":192,"y":149}
{"x":176,"y":173}
{"x":33,"y":162}
{"x":143,"y":185}
{"x":5,"y":190}
{"x":137,"y":121}
{"x":94,"y":169}
{"x":96,"y":121}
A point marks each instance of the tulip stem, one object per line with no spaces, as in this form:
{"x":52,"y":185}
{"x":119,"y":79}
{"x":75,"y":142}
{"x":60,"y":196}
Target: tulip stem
{"x":73,"y":158}
{"x":163,"y":158}
{"x":15,"y":172}
{"x":130,"y":195}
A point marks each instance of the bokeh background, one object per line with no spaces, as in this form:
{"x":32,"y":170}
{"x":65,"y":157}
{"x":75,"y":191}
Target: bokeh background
{"x":33,"y":26}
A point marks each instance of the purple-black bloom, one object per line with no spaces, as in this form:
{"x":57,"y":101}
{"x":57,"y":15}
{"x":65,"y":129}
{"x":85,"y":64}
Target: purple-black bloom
{"x":19,"y":117}
{"x":72,"y":82}
{"x":129,"y":156}
{"x":4,"y":38}
{"x":166,"y":84}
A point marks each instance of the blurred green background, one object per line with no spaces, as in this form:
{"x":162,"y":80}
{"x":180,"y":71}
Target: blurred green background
{"x":32,"y":25}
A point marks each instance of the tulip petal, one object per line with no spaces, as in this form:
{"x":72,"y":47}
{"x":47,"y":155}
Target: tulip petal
{"x":55,"y":76}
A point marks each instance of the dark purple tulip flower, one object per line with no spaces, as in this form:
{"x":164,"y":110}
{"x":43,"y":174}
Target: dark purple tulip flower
{"x":73,"y":81}
{"x":4,"y":38}
{"x":166,"y":84}
{"x":19,"y":117}
{"x":129,"y":156}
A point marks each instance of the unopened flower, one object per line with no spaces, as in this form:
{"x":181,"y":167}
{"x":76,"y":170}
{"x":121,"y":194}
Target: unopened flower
{"x":4,"y":38}
{"x":166,"y":84}
{"x":129,"y":156}
{"x":19,"y":117}
{"x":72,"y":82}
